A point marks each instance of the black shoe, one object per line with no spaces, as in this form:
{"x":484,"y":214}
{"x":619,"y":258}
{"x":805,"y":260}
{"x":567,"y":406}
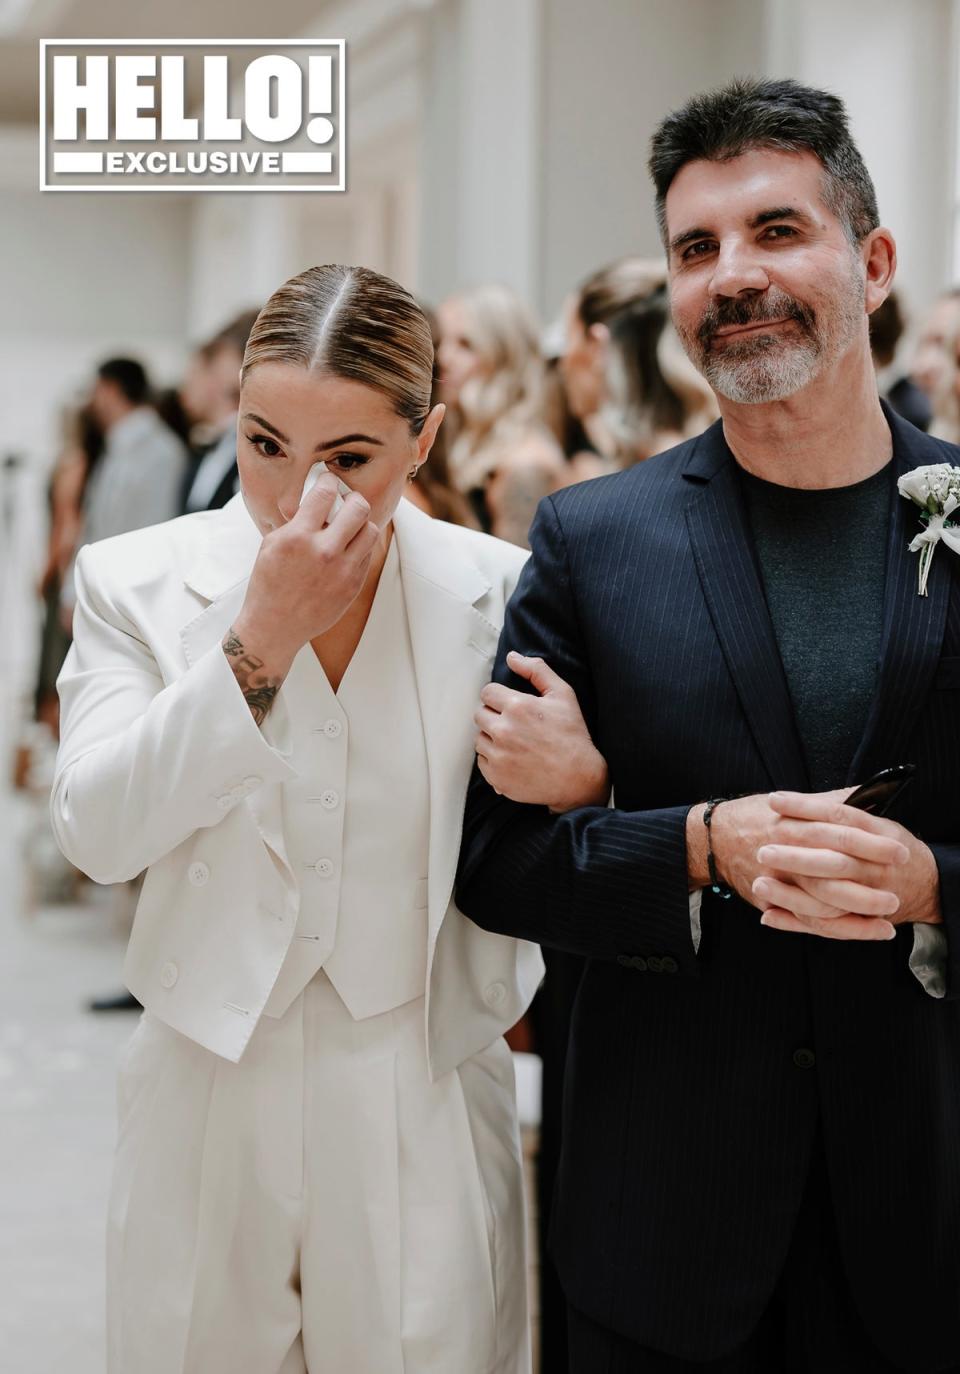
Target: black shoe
{"x":118,"y":1001}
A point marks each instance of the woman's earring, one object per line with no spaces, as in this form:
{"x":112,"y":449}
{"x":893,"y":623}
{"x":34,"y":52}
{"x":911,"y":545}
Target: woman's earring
{"x":411,"y":475}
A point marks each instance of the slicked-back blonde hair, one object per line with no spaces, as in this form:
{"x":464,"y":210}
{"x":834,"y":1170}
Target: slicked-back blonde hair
{"x":353,"y":323}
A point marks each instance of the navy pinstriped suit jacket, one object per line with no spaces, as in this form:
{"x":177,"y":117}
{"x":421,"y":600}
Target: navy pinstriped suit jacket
{"x":689,"y":1116}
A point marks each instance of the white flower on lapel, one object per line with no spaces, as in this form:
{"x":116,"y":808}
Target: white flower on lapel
{"x":936,"y":490}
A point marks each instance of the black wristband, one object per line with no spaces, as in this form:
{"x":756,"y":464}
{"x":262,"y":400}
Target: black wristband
{"x":720,"y":888}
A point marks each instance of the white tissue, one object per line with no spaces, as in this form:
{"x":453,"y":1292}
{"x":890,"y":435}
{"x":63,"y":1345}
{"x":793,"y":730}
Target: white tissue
{"x":313,"y":476}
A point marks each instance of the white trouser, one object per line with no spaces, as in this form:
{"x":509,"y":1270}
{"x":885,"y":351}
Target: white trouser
{"x":320,"y":1206}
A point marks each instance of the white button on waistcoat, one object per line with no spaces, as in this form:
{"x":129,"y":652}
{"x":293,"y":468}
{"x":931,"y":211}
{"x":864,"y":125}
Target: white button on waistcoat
{"x":494,"y":994}
{"x":169,"y":975}
{"x":324,"y":867}
{"x":329,"y":799}
{"x":198,"y":873}
{"x":333,"y":729}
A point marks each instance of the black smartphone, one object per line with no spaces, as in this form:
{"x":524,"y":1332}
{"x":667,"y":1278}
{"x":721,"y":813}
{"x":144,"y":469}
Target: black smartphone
{"x":878,"y":793}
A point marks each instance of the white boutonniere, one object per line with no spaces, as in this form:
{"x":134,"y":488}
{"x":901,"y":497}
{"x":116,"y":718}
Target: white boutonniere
{"x":936,"y":490}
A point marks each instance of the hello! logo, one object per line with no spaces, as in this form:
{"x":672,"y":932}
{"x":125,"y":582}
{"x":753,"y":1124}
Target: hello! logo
{"x":193,"y":115}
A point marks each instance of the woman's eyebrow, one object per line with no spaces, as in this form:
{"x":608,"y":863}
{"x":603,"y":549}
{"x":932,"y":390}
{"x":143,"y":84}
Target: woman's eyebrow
{"x":331,"y":443}
{"x":258,"y":419}
{"x":348,"y":439}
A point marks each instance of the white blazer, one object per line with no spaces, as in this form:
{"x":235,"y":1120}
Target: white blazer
{"x":158,"y":744}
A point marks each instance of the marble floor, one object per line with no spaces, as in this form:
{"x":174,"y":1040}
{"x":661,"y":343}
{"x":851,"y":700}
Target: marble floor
{"x":57,"y":1068}
{"x":57,"y":1074}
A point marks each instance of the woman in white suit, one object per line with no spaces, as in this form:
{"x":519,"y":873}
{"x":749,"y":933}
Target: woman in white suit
{"x":270,"y":709}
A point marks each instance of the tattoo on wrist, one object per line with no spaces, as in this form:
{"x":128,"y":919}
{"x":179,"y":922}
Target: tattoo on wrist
{"x":258,"y":688}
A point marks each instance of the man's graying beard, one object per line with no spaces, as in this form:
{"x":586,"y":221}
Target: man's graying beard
{"x":770,"y":367}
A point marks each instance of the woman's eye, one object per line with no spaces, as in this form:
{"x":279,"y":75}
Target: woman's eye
{"x":347,"y":461}
{"x":267,"y":446}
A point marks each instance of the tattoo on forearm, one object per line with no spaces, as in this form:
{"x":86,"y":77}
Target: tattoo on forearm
{"x":257,"y":687}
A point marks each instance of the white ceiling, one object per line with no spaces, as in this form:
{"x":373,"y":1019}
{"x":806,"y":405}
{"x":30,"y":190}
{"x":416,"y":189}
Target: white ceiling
{"x":24,"y":22}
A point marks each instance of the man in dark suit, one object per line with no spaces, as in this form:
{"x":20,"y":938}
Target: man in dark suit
{"x":761,"y":1152}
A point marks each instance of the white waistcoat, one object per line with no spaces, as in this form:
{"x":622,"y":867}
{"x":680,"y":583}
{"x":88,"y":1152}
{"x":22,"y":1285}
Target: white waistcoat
{"x":356,"y":819}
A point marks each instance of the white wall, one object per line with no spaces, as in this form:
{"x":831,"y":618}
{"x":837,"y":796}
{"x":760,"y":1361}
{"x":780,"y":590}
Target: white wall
{"x":894,"y":65}
{"x":83,"y":277}
{"x":487,"y":138}
{"x":244,"y":247}
{"x":604,"y":94}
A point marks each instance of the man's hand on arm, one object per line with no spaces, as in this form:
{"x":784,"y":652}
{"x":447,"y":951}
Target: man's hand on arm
{"x":537,"y":748}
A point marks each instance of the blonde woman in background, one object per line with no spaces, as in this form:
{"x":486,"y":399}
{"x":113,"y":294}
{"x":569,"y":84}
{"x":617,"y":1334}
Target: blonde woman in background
{"x":433,"y":489}
{"x":502,"y":455}
{"x":944,"y":381}
{"x":270,"y":709}
{"x":627,"y":378}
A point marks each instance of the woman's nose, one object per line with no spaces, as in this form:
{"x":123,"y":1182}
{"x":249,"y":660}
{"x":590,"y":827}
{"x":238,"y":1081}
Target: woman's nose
{"x":289,"y":500}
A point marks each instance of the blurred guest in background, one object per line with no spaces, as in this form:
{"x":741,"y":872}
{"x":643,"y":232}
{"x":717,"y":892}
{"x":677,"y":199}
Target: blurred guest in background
{"x":627,"y":378}
{"x":432,"y":489}
{"x":169,"y":406}
{"x":492,"y":382}
{"x":886,"y":330}
{"x":136,"y":483}
{"x":137,"y":480}
{"x":945,"y":423}
{"x":209,"y":395}
{"x":583,"y":461}
{"x":930,"y":359}
{"x":82,"y":447}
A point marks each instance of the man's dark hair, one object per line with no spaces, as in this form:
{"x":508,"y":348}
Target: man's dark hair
{"x":128,"y":376}
{"x":750,"y":114}
{"x":886,"y":328}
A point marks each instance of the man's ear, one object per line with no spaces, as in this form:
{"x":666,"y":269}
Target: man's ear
{"x":880,"y":260}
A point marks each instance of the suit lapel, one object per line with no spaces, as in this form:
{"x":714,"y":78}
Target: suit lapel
{"x":723,"y":552}
{"x":913,"y":625}
{"x":453,"y":647}
{"x":220,"y":574}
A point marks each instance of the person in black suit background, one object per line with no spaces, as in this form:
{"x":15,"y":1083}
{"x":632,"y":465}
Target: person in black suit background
{"x":886,"y":330}
{"x":210,"y":394}
{"x":760,"y":1166}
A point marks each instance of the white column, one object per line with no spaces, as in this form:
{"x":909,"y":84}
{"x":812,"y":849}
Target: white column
{"x":481,"y":146}
{"x":893,"y":65}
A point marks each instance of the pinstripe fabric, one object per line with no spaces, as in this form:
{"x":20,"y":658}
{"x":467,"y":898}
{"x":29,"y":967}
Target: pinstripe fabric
{"x":688,"y":1123}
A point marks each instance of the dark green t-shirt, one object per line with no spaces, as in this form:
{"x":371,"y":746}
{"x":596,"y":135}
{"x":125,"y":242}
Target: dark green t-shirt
{"x":822,"y":557}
